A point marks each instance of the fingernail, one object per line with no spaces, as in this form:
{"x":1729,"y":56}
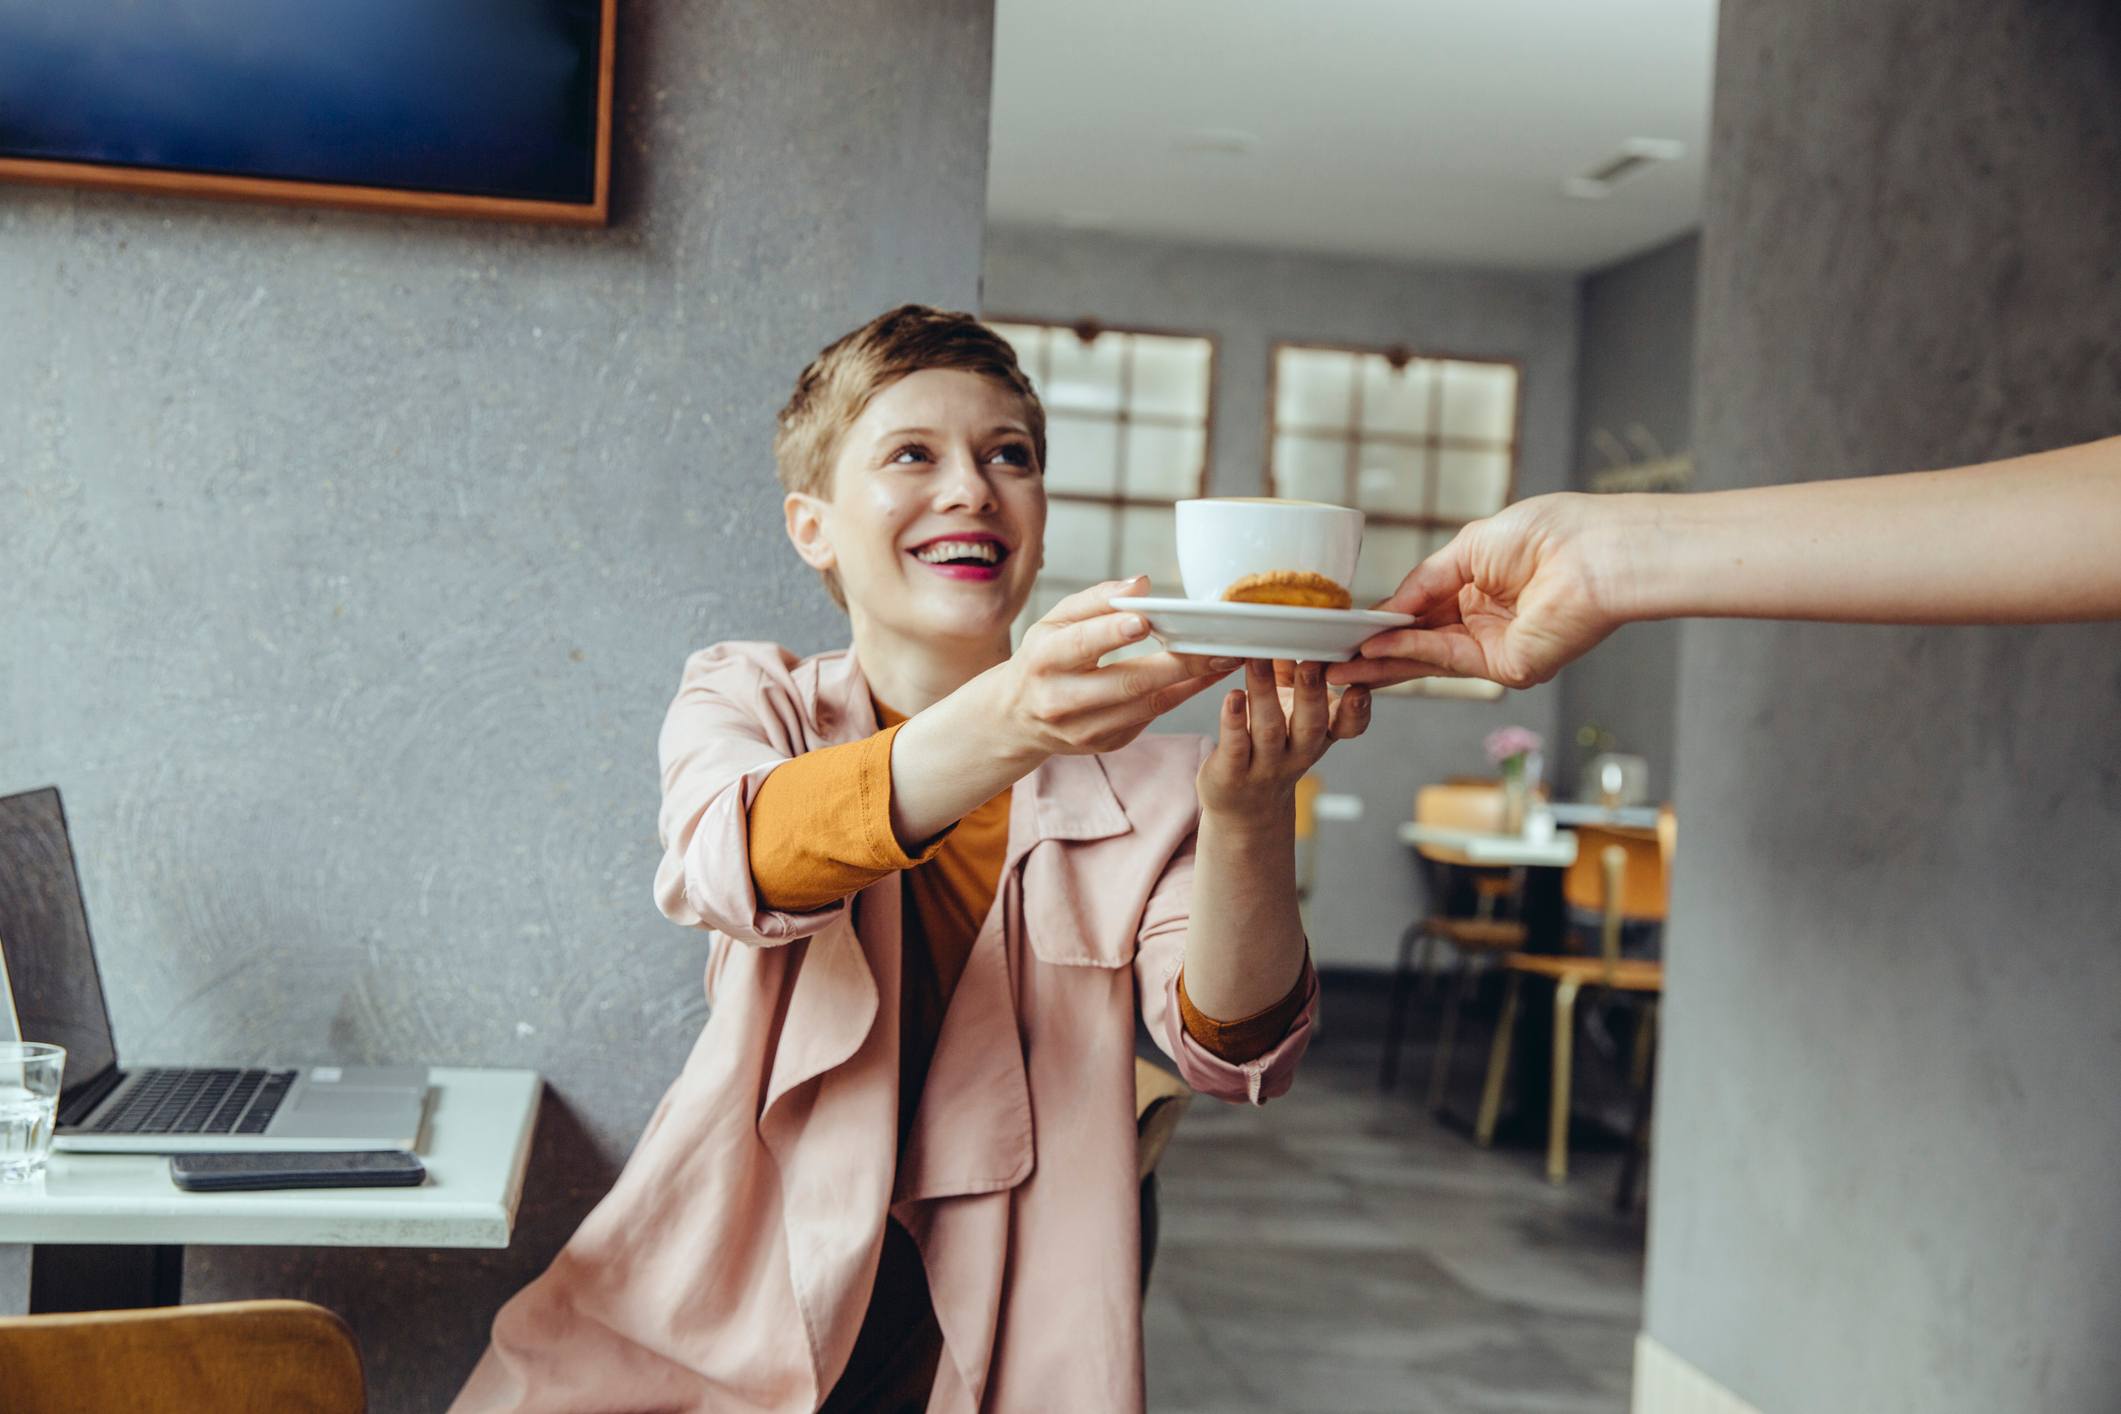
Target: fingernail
{"x":1312,"y":673}
{"x":1131,"y":624}
{"x":1223,"y":665}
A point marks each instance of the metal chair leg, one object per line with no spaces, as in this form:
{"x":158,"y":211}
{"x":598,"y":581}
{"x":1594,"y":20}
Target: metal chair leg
{"x":1396,"y":1018}
{"x":1447,"y":1034}
{"x":1498,"y":1064}
{"x":1564,"y":1043}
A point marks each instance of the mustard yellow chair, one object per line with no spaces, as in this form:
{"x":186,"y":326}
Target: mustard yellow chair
{"x":235,"y":1357}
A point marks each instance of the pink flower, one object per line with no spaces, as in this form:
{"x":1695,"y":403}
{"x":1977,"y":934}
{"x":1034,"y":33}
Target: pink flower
{"x":1506,"y":742}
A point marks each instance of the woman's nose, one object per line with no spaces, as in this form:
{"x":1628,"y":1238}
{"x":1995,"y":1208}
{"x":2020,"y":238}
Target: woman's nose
{"x":964,"y":487}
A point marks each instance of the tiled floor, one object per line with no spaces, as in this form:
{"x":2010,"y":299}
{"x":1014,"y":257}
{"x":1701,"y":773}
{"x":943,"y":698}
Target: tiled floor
{"x":1338,"y":1252}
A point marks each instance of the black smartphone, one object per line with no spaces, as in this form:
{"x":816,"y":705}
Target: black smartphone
{"x":367,"y":1168}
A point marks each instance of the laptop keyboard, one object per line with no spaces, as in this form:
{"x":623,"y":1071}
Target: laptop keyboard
{"x":185,"y":1101}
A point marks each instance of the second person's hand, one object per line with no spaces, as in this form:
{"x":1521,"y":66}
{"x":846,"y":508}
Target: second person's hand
{"x":1512,"y":599}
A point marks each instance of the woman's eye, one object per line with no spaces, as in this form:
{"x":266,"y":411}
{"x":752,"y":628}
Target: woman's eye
{"x":912,"y":454}
{"x":1013,"y":454}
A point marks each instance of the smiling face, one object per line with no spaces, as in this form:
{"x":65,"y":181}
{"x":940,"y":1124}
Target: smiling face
{"x":936,"y":517}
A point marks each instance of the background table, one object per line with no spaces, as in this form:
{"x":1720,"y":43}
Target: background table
{"x":1590,"y":812}
{"x":1502,"y":851}
{"x":109,"y":1230}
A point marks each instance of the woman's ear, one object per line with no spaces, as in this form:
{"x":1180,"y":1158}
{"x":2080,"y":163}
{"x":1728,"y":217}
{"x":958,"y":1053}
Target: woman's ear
{"x":806,"y":530}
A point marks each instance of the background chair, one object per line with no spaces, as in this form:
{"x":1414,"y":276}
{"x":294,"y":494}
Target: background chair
{"x":1472,"y":806}
{"x":1621,"y":876}
{"x":237,"y":1357}
{"x":1160,"y":1098}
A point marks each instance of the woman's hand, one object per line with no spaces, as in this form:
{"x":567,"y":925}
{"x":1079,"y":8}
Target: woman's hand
{"x":1056,"y":701}
{"x":1050,"y":698}
{"x":1262,"y":752}
{"x":1513,"y":598}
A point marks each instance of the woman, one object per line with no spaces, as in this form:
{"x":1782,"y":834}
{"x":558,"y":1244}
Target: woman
{"x":898,"y":1171}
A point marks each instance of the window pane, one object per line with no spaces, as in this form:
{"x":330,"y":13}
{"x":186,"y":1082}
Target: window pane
{"x":1082,"y":454}
{"x":1313,"y":388}
{"x":1391,"y":477}
{"x":1311,"y":469}
{"x":1164,"y":461}
{"x":1083,"y":376}
{"x":1078,"y":542}
{"x":1029,"y":341}
{"x":1397,"y":400}
{"x":1170,"y":377}
{"x":1148,"y":544}
{"x":1389,"y":552}
{"x":1480,"y":401}
{"x":1471,"y":484}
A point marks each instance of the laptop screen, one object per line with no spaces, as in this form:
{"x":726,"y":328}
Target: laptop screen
{"x":51,"y":968}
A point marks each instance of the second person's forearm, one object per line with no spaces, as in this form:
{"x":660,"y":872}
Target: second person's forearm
{"x":2033,"y":539}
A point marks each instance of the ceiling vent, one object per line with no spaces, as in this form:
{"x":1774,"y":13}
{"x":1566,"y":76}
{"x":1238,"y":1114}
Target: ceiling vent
{"x":1631,"y":157}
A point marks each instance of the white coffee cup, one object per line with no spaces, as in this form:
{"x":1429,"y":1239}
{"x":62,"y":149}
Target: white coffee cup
{"x":1222,"y":541}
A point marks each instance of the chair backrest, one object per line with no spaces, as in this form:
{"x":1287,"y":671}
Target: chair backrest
{"x":1622,"y":875}
{"x":1159,"y":1099}
{"x":1466,"y":806}
{"x":236,"y":1357}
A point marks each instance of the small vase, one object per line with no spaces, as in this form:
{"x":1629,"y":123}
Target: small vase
{"x":1515,"y":792}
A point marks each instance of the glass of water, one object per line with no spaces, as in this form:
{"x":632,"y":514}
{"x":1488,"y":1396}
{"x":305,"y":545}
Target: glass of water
{"x":29,"y":1096}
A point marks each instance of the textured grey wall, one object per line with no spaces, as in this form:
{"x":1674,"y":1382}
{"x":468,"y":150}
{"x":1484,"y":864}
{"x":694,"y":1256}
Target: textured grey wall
{"x":352,"y":561}
{"x":1635,"y":369}
{"x":1366,"y":888}
{"x":1889,"y":1124}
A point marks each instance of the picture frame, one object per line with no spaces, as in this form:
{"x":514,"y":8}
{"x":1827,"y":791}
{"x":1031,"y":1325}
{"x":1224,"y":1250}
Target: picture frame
{"x":98,"y":99}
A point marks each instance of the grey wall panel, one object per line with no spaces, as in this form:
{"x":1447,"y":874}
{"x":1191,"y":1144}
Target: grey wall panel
{"x":1888,"y":1126}
{"x":351,"y":562}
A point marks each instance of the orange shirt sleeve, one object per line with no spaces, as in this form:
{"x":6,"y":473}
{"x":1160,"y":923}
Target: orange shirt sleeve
{"x":1249,"y":1037}
{"x":820,"y":826}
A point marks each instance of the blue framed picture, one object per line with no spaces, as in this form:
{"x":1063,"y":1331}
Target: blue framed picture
{"x":490,"y":108}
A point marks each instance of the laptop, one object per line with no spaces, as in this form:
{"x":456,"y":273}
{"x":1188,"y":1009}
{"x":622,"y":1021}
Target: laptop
{"x":51,"y":990}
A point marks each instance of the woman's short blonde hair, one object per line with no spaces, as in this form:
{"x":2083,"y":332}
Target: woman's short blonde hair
{"x":854,"y":368}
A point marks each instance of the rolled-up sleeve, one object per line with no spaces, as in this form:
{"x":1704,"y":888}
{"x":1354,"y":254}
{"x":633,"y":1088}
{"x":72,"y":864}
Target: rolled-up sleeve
{"x":1159,"y":958}
{"x":735,"y":720}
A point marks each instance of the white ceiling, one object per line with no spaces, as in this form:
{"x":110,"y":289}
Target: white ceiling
{"x":1427,"y":130}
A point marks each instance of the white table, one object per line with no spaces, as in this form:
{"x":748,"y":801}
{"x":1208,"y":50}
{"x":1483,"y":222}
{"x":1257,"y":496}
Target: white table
{"x":475,"y":1144}
{"x":1590,"y":812}
{"x":1481,"y":847}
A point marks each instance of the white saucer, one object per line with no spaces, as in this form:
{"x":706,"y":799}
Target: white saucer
{"x":1220,"y":630}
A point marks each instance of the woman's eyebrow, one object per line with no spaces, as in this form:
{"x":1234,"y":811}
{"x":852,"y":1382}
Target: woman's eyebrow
{"x":1016,"y":428}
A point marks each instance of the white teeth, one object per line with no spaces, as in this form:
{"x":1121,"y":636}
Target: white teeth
{"x":942,"y":550}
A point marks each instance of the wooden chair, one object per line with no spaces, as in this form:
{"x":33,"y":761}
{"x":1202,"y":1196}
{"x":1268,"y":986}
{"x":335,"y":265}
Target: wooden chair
{"x":1473,"y":806}
{"x":1622,"y":876}
{"x":236,"y":1357}
{"x":1160,"y":1098}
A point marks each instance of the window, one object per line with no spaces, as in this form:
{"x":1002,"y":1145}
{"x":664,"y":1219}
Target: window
{"x":1421,"y":445}
{"x":1126,"y":436}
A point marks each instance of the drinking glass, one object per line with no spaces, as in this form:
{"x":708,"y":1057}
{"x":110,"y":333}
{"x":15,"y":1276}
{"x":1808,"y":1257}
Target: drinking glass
{"x":29,"y":1098}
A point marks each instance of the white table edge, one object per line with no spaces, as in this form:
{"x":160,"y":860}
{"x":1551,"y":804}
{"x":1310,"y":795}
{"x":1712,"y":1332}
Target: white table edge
{"x":369,"y":1217}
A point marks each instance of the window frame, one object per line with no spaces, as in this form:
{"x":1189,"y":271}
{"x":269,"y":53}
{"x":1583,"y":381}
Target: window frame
{"x":1088,"y":329}
{"x":1399,"y":355}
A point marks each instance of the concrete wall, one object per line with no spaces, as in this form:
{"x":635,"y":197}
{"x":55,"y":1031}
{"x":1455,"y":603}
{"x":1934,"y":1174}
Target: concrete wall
{"x":351,"y":562}
{"x":1366,"y":886}
{"x":1635,"y":369}
{"x":1889,"y":1124}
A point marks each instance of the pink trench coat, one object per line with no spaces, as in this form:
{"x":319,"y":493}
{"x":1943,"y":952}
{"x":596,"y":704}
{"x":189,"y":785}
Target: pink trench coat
{"x":730,"y":1266}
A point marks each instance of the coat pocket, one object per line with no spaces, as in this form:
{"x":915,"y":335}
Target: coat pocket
{"x":1074,"y":915}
